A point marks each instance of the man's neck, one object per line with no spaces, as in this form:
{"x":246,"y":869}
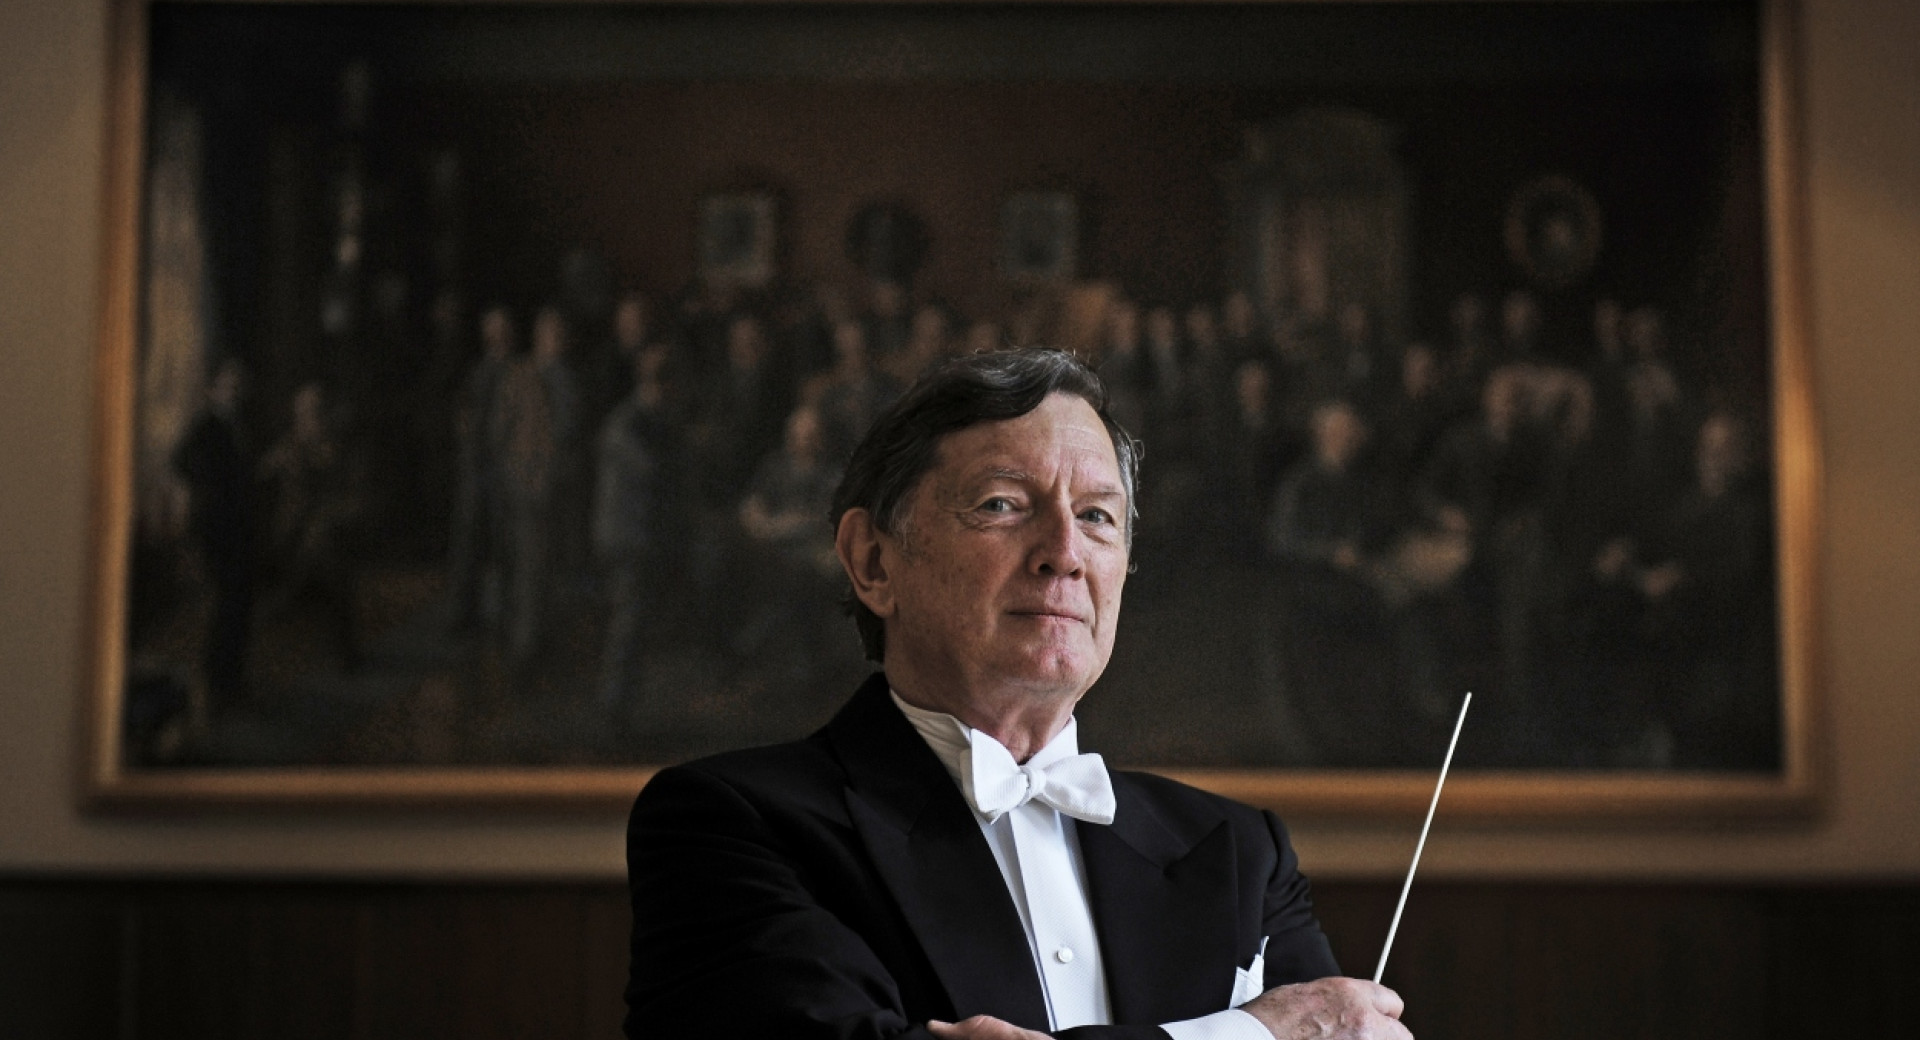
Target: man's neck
{"x":1023,"y":722}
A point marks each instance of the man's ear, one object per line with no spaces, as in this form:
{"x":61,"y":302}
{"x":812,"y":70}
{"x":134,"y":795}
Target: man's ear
{"x":858,"y":544}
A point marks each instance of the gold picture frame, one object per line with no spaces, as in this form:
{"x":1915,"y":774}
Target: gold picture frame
{"x":111,"y":781}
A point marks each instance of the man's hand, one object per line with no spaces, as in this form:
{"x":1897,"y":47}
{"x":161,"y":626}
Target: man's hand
{"x":1327,"y":1009}
{"x":982,"y":1027}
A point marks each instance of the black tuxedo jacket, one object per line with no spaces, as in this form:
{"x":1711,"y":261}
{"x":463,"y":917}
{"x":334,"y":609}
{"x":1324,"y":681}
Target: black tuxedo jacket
{"x":839,"y":886}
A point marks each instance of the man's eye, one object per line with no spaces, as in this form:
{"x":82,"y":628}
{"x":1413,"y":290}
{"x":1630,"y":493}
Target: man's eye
{"x":1097,"y":516}
{"x":997,"y":504}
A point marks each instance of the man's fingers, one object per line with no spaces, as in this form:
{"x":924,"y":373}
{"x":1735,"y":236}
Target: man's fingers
{"x":981,"y":1027}
{"x":1330,"y":1009}
{"x":1385,"y":1001}
{"x":1386,"y":1004}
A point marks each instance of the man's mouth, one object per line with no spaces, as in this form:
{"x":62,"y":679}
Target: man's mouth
{"x":1062,"y":615}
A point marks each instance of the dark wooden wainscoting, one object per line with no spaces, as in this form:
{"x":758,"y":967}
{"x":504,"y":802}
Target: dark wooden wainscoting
{"x":143,"y":959}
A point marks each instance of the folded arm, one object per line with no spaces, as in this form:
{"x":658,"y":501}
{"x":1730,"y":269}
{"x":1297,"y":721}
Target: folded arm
{"x":729,"y":937}
{"x":726,"y":936}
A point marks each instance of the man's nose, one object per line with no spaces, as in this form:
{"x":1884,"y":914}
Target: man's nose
{"x":1056,"y":549}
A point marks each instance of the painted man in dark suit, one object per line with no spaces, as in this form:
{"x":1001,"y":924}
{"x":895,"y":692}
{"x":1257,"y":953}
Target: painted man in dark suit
{"x":939,"y":860}
{"x":214,"y":461}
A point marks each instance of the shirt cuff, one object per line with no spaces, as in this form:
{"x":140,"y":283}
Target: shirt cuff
{"x":1221,"y":1025}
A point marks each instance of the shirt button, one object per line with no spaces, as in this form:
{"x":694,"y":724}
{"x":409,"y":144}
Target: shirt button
{"x":1064,"y":955}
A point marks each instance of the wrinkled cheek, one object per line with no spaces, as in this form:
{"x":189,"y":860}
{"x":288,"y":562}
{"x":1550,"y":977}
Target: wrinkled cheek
{"x":1109,"y":622}
{"x":1102,"y":650}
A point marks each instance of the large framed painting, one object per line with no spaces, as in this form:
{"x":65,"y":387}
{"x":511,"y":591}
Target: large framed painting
{"x":473,"y":380}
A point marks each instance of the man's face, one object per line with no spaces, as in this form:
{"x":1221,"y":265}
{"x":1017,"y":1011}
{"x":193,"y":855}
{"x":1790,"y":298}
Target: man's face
{"x":1007,"y":566}
{"x":630,"y":323}
{"x":1163,"y":329}
{"x":1419,"y":370}
{"x":1521,"y":319}
{"x":1721,"y":455}
{"x":1356,"y":325}
{"x":803,"y":433}
{"x":1123,"y":329}
{"x":1240,"y":315}
{"x":1252,"y":385}
{"x":309,"y":413}
{"x":744,"y":344}
{"x":929,"y":325}
{"x":496,"y":333}
{"x":229,"y":382}
{"x":1644,"y":333}
{"x":1338,"y":434}
{"x":1202,"y":330}
{"x":549,"y":336}
{"x":1467,"y":315}
{"x":850,"y":344}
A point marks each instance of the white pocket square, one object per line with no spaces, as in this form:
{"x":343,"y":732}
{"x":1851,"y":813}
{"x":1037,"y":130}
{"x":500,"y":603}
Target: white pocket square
{"x":1250,"y":981}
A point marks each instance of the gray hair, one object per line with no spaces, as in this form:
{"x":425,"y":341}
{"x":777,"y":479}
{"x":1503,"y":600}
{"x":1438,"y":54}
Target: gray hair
{"x":903,"y":443}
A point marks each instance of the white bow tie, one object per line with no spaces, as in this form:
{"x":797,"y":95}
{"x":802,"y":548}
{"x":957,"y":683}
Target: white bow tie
{"x":995,"y":784}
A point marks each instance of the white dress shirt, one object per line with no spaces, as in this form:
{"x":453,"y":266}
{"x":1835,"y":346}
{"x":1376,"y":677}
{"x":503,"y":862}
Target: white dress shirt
{"x":1038,"y":851}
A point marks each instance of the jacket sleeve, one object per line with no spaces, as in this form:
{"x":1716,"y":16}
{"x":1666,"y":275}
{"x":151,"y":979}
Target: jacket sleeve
{"x":727,"y":939}
{"x":1297,"y":950}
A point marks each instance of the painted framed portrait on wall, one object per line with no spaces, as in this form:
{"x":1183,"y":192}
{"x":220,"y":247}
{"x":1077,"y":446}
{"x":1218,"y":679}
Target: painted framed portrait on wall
{"x":737,"y":238}
{"x":1039,"y":236}
{"x":445,"y":458}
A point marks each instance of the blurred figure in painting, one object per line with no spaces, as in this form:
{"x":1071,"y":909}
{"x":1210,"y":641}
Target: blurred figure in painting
{"x":1472,"y":350}
{"x":1329,"y":522}
{"x":1709,"y":608}
{"x":536,"y":439}
{"x":792,"y":563}
{"x":738,"y":423}
{"x":634,"y":503}
{"x":213,"y":461}
{"x":852,"y":392}
{"x":315,"y":497}
{"x":476,"y":543}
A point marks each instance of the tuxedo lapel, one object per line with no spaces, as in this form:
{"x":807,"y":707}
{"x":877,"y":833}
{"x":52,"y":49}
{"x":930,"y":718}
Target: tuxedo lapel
{"x":928,"y":849}
{"x":1164,"y":904}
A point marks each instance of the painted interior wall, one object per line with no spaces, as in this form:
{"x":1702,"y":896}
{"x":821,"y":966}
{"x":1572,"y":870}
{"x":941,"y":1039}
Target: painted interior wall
{"x":1861,"y":80}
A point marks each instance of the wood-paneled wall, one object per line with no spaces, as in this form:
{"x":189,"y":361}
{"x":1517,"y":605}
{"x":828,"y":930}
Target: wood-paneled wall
{"x":137,"y":959}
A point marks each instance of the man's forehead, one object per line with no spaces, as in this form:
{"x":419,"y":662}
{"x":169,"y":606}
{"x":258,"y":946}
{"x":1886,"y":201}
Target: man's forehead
{"x":1062,"y":430}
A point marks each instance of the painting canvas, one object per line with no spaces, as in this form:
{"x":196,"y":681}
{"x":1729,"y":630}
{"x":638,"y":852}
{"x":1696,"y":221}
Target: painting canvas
{"x":469,"y":428}
{"x":1039,"y":235}
{"x":737,"y":238}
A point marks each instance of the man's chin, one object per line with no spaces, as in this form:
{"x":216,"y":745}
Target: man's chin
{"x":1056,"y":673}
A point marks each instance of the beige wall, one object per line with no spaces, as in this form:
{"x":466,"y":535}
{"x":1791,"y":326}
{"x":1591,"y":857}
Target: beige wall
{"x":1862,"y":84}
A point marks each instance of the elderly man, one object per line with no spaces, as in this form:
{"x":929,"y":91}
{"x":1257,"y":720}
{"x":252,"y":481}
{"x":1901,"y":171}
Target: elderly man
{"x":939,"y":860}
